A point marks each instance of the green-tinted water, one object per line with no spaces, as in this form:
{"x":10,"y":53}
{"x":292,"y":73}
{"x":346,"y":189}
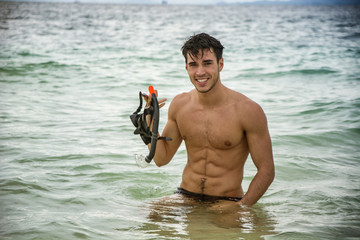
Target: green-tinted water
{"x":69,"y":78}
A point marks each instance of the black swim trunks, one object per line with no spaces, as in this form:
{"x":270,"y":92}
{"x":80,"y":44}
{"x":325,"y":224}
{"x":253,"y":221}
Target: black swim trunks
{"x":203,"y":197}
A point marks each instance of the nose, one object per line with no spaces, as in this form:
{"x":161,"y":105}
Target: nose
{"x":200,"y":71}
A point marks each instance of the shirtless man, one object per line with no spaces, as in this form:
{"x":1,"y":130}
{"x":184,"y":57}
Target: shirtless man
{"x":220,"y":127}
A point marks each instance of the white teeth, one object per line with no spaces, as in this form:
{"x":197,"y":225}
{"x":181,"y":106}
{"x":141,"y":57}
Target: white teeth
{"x":202,"y":80}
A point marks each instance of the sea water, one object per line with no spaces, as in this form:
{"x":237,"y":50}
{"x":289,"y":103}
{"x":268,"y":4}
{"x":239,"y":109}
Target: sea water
{"x":69,"y":79}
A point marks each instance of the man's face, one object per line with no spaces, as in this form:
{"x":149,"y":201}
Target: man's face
{"x":204,"y":71}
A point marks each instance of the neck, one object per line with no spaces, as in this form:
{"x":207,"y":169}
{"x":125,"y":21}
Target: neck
{"x":214,"y":97}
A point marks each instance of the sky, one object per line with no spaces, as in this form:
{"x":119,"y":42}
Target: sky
{"x":206,"y":1}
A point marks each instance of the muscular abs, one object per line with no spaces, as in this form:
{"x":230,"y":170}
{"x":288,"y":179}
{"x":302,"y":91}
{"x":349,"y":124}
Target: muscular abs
{"x":217,"y":150}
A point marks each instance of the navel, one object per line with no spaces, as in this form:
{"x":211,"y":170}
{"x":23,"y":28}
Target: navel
{"x":203,"y":180}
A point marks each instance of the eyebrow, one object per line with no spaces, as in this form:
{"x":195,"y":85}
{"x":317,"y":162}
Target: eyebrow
{"x":208,"y":61}
{"x":205,"y":61}
{"x":192,"y":63}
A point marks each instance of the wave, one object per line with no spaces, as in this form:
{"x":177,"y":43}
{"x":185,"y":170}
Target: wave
{"x":343,"y":138}
{"x":19,"y":186}
{"x":25,"y":69}
{"x":300,"y":72}
{"x":352,"y":36}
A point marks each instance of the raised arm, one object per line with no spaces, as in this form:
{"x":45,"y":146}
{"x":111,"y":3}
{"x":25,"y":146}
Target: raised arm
{"x":259,"y":142}
{"x":165,"y":150}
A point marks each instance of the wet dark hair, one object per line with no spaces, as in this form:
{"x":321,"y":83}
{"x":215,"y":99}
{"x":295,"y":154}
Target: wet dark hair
{"x":198,"y":43}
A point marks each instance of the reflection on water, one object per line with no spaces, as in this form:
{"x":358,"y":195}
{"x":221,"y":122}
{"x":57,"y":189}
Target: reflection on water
{"x":181,"y":217}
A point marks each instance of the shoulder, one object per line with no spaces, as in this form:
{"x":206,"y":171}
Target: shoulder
{"x":181,"y":98}
{"x":245,"y":104}
{"x":178,"y":102}
{"x":251,"y":113}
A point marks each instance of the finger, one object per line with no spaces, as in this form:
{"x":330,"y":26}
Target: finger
{"x":147,"y":99}
{"x":161,"y":105}
{"x":145,"y":96}
{"x":162,"y":100}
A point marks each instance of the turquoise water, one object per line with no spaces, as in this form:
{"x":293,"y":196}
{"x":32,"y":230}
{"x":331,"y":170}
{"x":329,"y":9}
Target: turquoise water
{"x":69,"y":78}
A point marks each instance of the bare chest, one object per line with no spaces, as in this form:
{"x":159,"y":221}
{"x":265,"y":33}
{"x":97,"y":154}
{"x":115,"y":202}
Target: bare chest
{"x":219,"y":129}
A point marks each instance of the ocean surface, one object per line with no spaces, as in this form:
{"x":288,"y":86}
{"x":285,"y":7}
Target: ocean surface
{"x":69,"y":79}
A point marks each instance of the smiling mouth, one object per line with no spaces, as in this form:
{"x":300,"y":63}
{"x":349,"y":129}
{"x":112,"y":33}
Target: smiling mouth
{"x":202,"y":80}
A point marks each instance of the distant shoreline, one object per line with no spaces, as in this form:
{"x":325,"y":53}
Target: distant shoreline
{"x":296,"y":2}
{"x":224,"y":3}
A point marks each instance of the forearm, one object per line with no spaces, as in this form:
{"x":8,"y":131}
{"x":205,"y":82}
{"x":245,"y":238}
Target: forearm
{"x":166,"y":149}
{"x":161,"y":157}
{"x":160,"y":152}
{"x":258,"y":186}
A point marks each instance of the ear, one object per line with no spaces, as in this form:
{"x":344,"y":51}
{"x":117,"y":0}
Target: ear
{"x":221,"y":64}
{"x":186,"y":66}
